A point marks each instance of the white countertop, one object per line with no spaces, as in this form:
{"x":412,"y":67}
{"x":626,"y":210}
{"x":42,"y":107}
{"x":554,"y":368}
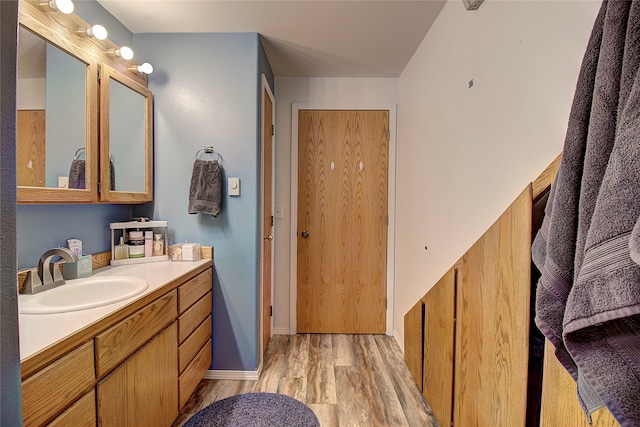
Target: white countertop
{"x":38,"y":331}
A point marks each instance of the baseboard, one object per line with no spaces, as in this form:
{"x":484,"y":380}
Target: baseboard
{"x":399,"y":340}
{"x":213,"y":374}
{"x":280,"y":331}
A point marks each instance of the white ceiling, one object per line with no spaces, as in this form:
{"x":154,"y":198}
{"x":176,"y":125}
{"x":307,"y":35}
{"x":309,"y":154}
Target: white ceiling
{"x":302,"y":38}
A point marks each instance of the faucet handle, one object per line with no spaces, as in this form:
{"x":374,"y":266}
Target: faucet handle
{"x":31,"y":281}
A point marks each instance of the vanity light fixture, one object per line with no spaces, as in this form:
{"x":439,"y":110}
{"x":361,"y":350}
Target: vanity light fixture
{"x":97,"y":31}
{"x":144,"y":68}
{"x":124,"y":52}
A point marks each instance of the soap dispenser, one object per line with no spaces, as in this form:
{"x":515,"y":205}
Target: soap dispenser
{"x":121,"y":250}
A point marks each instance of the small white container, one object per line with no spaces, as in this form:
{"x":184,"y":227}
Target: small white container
{"x":136,"y":244}
{"x":148,"y":243}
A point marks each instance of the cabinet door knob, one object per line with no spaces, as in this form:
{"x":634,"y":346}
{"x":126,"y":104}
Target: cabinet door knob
{"x":304,"y":234}
{"x":269,"y":237}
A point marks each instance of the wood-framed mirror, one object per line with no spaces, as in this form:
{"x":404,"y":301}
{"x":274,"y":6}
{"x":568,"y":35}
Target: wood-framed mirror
{"x":126,"y":139}
{"x":90,"y":139}
{"x":57,"y":117}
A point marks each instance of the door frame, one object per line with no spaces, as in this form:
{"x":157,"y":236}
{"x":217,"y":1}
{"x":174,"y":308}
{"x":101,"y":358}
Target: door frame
{"x":266,"y":88}
{"x":391,"y":207}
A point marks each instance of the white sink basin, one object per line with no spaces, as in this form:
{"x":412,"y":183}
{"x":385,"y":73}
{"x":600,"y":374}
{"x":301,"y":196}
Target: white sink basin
{"x":82,"y":294}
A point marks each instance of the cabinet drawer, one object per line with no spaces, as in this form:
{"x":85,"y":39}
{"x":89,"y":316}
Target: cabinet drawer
{"x":193,"y":374}
{"x":193,"y":290}
{"x":192,"y":345}
{"x":121,"y":340}
{"x":50,"y":390}
{"x":80,"y":414}
{"x":189,"y":321}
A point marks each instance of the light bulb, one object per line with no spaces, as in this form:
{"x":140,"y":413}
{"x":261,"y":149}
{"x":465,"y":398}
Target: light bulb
{"x":64,"y":6}
{"x":145,"y":68}
{"x":124,"y":52}
{"x":97,"y":31}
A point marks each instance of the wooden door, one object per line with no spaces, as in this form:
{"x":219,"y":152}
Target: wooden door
{"x":31,"y":148}
{"x":492,"y":323}
{"x":342,"y":221}
{"x":267,"y":215}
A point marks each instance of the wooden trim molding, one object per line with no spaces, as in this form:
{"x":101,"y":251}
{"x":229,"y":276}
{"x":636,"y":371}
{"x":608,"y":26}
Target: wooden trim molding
{"x":547,"y":176}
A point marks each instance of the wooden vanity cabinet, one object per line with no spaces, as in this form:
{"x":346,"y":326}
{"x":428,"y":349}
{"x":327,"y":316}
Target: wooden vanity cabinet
{"x":194,"y":333}
{"x":122,"y":339}
{"x":81,"y":414}
{"x":142,"y":391}
{"x":49,"y":391}
{"x":136,"y":367}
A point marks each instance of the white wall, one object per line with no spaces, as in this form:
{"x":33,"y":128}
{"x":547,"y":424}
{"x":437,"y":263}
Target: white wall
{"x":464,"y":154}
{"x":320,"y":92}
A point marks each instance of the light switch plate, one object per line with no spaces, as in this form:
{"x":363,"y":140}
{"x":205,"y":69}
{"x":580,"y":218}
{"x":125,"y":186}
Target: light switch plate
{"x":233,"y":186}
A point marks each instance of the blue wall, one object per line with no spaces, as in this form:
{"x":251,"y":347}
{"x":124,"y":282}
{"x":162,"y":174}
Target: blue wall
{"x":40,"y":227}
{"x":206,"y":90}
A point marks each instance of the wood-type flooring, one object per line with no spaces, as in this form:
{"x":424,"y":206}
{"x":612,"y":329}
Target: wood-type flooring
{"x":347,"y":380}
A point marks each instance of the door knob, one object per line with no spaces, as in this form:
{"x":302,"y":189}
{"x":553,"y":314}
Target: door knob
{"x":269,"y":237}
{"x":304,"y":234}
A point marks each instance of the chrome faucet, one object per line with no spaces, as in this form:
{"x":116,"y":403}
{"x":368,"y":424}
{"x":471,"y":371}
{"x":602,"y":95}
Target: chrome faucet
{"x":47,"y":275}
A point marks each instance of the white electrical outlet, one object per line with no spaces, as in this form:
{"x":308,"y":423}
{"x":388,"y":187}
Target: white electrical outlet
{"x":279,"y":211}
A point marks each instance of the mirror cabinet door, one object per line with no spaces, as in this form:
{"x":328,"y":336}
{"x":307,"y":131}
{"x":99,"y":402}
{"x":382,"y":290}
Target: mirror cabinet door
{"x":56,"y":125}
{"x":125,"y":139}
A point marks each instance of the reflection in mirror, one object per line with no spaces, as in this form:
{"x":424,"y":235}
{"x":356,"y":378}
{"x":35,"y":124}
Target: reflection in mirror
{"x":127,"y":135}
{"x":51,"y":103}
{"x":126,"y":138}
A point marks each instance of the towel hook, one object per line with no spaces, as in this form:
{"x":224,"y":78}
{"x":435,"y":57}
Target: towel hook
{"x":208,"y":149}
{"x":79,"y":151}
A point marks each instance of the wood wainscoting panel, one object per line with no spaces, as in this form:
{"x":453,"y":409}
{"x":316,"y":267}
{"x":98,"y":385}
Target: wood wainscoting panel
{"x":439,"y":339}
{"x":413,"y":341}
{"x":492,"y":323}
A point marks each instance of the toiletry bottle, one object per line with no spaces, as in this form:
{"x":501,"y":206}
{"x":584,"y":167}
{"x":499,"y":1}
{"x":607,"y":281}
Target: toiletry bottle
{"x":158,"y":245}
{"x":136,"y":244}
{"x":148,"y":243}
{"x":121,"y":250}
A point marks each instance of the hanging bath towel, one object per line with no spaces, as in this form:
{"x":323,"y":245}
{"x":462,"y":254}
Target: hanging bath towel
{"x":205,"y":193}
{"x":77,"y":174}
{"x":588,"y":248}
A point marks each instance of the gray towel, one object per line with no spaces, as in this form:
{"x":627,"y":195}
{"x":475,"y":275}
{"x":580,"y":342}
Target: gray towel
{"x":205,"y":193}
{"x":588,"y":298}
{"x":77,"y":174}
{"x":112,"y":176}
